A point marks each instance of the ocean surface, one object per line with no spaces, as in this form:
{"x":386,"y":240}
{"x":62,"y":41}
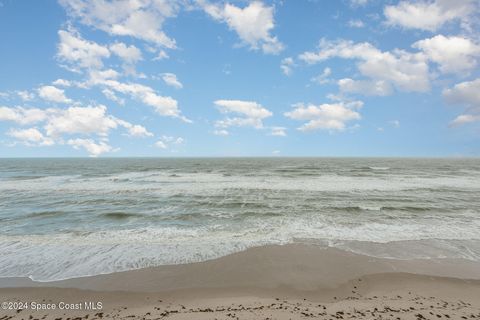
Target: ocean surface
{"x":63,"y":218}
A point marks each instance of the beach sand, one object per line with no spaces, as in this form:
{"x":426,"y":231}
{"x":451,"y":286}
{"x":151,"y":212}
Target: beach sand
{"x":270,"y":282}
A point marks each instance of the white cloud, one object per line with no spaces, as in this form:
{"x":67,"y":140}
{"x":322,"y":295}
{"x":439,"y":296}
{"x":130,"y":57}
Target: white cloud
{"x":171,"y":80}
{"x":172,"y":140}
{"x":88,"y":55}
{"x":249,"y":108}
{"x":51,"y":93}
{"x":165,"y":142}
{"x":138,"y":131}
{"x":253,"y":24}
{"x":31,"y":136}
{"x":452,"y":54}
{"x":82,"y":55}
{"x":326,"y":116}
{"x":406,"y":71}
{"x":166,"y":106}
{"x":278,"y":131}
{"x":129,"y":54}
{"x":78,"y":52}
{"x":358,"y":2}
{"x":109,"y":94}
{"x":323,"y":77}
{"x":221,"y":132}
{"x":25,"y":95}
{"x":464,"y":119}
{"x":163,"y":105}
{"x":160,"y":144}
{"x":92,"y":147}
{"x":161,"y":55}
{"x":99,"y":76}
{"x":429,"y":15}
{"x":86,"y":121}
{"x":395,"y":123}
{"x":251,"y":114}
{"x":21,"y":115}
{"x":287,"y":65}
{"x":466,"y":94}
{"x":365,"y":87}
{"x":62,"y":83}
{"x":139,"y":19}
{"x":355,"y":23}
{"x":83,"y":120}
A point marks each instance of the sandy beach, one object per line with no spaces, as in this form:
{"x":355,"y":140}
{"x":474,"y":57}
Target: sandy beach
{"x":270,"y":282}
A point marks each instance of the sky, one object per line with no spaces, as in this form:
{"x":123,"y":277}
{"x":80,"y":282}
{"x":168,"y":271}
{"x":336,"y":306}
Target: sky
{"x":188,"y":78}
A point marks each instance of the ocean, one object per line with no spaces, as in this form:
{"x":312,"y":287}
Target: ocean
{"x":64,"y":218}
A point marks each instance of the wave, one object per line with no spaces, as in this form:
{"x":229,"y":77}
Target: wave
{"x":48,"y":213}
{"x":120,"y":215}
{"x":386,"y":208}
{"x":49,"y":258}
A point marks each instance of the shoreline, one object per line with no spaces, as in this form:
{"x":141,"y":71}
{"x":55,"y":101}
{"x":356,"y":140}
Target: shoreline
{"x":256,"y":263}
{"x":275,"y":282}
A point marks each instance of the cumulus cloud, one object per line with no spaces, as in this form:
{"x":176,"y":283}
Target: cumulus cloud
{"x":160,"y":144}
{"x":21,"y":115}
{"x":139,"y":19}
{"x":137,"y":130}
{"x":327,"y":116}
{"x":92,"y":147}
{"x":287,"y":65}
{"x":365,"y":87}
{"x":404,"y":70}
{"x":165,"y":142}
{"x":83,"y":120}
{"x":356,"y":3}
{"x":129,"y":54}
{"x":25,"y":95}
{"x":172,"y":80}
{"x":253,"y":23}
{"x":464,"y":119}
{"x":453,"y":54}
{"x":30,"y":137}
{"x":62,"y":83}
{"x":163,"y":105}
{"x":322,"y":78}
{"x":429,"y":15}
{"x":466,"y":94}
{"x":51,"y":93}
{"x":355,"y":23}
{"x":246,"y":114}
{"x":80,"y":53}
{"x":278,"y":131}
{"x":221,"y":132}
{"x":74,"y":121}
{"x":161,"y":55}
{"x":109,"y":94}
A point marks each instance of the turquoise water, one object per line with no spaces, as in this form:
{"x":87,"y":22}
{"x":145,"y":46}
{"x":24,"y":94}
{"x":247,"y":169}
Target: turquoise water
{"x":62,"y":218}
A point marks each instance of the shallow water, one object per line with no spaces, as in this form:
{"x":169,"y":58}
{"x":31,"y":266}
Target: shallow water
{"x":62,"y":218}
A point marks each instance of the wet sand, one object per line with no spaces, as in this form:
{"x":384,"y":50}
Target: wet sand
{"x":271,"y":282}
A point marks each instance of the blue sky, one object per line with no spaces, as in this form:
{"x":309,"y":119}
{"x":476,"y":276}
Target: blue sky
{"x":239,"y":78}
